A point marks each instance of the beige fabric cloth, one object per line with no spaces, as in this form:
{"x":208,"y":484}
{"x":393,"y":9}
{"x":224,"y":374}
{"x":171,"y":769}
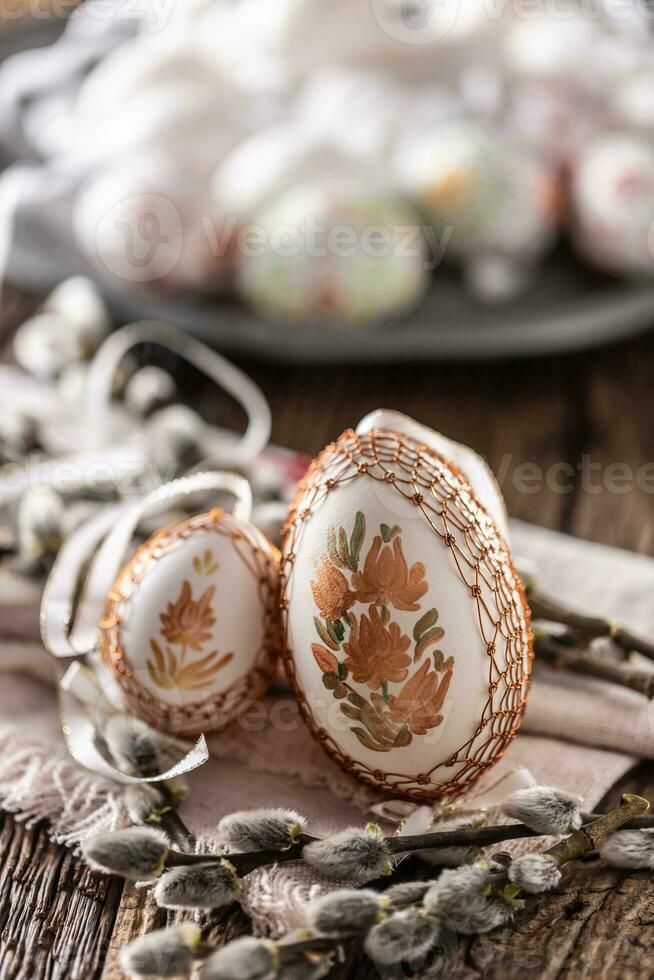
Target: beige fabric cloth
{"x":579,"y":735}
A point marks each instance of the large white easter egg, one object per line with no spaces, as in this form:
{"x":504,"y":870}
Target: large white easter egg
{"x":191,"y":624}
{"x":406,"y":630}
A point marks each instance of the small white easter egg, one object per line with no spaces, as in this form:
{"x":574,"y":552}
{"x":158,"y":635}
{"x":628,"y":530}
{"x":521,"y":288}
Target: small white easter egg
{"x":406,"y":630}
{"x":613,"y":203}
{"x":343,"y":251}
{"x":191,"y":624}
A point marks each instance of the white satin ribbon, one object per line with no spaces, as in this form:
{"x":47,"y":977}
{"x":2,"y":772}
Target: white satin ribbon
{"x":80,"y":696}
{"x":112,"y":466}
{"x":221,"y":371}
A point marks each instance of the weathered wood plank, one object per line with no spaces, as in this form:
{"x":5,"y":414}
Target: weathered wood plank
{"x":616,"y":498}
{"x":56,"y":917}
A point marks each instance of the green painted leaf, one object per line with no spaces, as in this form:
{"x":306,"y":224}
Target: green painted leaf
{"x":352,"y":713}
{"x":424,"y":623}
{"x":326,"y":638}
{"x":342,"y":671}
{"x":330,"y":680}
{"x":331,"y":629}
{"x":388,"y":533}
{"x":332,"y":548}
{"x":356,"y":538}
{"x":344,"y":550}
{"x":430,"y":637}
{"x":403,"y":738}
{"x":339,"y":630}
{"x":367,"y":741}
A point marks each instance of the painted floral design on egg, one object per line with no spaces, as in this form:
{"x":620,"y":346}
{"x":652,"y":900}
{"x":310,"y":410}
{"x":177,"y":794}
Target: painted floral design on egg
{"x":187,"y":624}
{"x":191,"y":629}
{"x":389,"y":692}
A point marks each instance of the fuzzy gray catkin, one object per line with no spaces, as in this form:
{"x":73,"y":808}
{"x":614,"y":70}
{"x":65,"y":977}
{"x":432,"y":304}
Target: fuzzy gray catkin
{"x":356,"y":853}
{"x":137,"y":853}
{"x":408,"y":936}
{"x":162,"y":953}
{"x":544,"y":809}
{"x":347,"y":912}
{"x":242,"y":959}
{"x":262,"y":830}
{"x":198,"y":886}
{"x":459,"y":897}
{"x":534,"y":873}
{"x":629,"y":849}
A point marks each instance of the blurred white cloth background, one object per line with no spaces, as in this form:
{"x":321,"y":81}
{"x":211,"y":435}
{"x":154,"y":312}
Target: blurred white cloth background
{"x":37,"y":92}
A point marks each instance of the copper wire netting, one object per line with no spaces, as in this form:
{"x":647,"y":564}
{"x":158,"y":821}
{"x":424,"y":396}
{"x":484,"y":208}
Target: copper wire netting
{"x":482,"y":560}
{"x":214,"y":712}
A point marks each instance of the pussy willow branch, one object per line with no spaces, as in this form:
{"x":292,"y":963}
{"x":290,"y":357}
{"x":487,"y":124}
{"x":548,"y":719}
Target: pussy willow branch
{"x":560,"y":653}
{"x":589,"y":837}
{"x":587,"y":627}
{"x":170,"y":821}
{"x":579,"y":843}
{"x":244,"y":863}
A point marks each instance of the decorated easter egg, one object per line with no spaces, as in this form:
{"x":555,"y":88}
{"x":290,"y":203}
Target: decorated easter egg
{"x":191,"y":625}
{"x":341,"y":250}
{"x":613,"y":203}
{"x":489,"y":198}
{"x":406,"y":629}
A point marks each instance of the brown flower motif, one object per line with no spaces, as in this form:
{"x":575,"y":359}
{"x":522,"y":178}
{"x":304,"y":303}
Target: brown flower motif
{"x":188,"y":622}
{"x":376,"y":652}
{"x":418,"y":704}
{"x":387,"y":578}
{"x":331,"y":591}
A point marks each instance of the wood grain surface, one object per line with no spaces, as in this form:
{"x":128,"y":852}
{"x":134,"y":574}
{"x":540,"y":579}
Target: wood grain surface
{"x":563,"y":435}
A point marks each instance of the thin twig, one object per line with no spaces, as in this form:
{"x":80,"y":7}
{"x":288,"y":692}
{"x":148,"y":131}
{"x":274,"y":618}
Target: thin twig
{"x":591,"y":835}
{"x":587,"y":627}
{"x":560,"y":655}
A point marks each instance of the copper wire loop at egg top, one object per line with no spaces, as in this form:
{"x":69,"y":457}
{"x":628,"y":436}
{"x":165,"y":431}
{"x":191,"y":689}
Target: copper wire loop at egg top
{"x":261,"y":559}
{"x":480,"y":556}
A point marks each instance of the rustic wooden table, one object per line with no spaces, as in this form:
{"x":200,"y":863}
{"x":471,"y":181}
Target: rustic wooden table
{"x":572,"y":441}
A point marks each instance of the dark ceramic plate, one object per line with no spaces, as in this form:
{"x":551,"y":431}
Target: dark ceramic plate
{"x":569,"y":307}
